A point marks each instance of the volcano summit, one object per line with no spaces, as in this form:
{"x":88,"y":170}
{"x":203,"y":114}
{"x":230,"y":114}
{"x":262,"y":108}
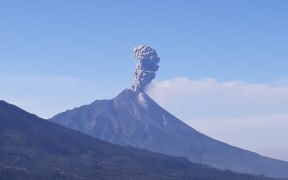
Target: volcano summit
{"x":134,"y":119}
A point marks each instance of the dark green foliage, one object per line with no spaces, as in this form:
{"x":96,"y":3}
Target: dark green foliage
{"x":33,"y":148}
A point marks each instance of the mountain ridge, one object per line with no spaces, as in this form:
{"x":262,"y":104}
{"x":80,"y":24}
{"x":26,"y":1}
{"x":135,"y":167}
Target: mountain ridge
{"x":34,"y":148}
{"x":133,"y":118}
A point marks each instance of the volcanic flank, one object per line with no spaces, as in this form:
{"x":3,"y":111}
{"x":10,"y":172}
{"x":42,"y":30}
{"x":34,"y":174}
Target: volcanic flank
{"x":32,"y":148}
{"x":134,"y":119}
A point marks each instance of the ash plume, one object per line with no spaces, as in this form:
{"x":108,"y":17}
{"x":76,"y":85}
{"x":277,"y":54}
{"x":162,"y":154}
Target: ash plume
{"x":146,"y":67}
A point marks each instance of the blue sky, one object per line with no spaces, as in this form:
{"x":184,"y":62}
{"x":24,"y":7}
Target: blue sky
{"x":228,"y":60}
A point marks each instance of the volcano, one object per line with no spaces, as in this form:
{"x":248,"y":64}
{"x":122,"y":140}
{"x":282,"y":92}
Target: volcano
{"x":133,"y":119}
{"x":33,"y":148}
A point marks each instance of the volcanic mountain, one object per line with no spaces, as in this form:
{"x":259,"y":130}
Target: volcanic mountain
{"x":134,"y":119}
{"x":33,"y":148}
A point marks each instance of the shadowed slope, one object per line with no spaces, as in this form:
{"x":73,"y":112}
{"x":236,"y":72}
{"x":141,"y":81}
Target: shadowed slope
{"x":32,"y":148}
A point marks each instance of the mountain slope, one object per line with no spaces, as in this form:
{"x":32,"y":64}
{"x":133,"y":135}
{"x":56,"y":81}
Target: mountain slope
{"x":32,"y":148}
{"x":133,"y":118}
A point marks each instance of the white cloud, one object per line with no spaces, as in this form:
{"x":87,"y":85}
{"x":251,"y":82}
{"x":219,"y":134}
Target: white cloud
{"x":249,"y":115}
{"x":220,"y":99}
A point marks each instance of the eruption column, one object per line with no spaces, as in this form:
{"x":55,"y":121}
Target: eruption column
{"x":146,"y":67}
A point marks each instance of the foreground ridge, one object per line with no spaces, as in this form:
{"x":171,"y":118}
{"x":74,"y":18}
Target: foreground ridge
{"x":33,"y":148}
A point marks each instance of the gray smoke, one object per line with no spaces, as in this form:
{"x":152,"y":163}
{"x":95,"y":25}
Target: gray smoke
{"x":146,"y":67}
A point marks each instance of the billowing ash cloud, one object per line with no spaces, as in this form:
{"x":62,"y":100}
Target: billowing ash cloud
{"x":146,"y":67}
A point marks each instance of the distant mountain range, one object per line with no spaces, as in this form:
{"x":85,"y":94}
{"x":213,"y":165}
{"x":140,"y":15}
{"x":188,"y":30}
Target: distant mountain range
{"x":32,"y":149}
{"x":134,"y":119}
